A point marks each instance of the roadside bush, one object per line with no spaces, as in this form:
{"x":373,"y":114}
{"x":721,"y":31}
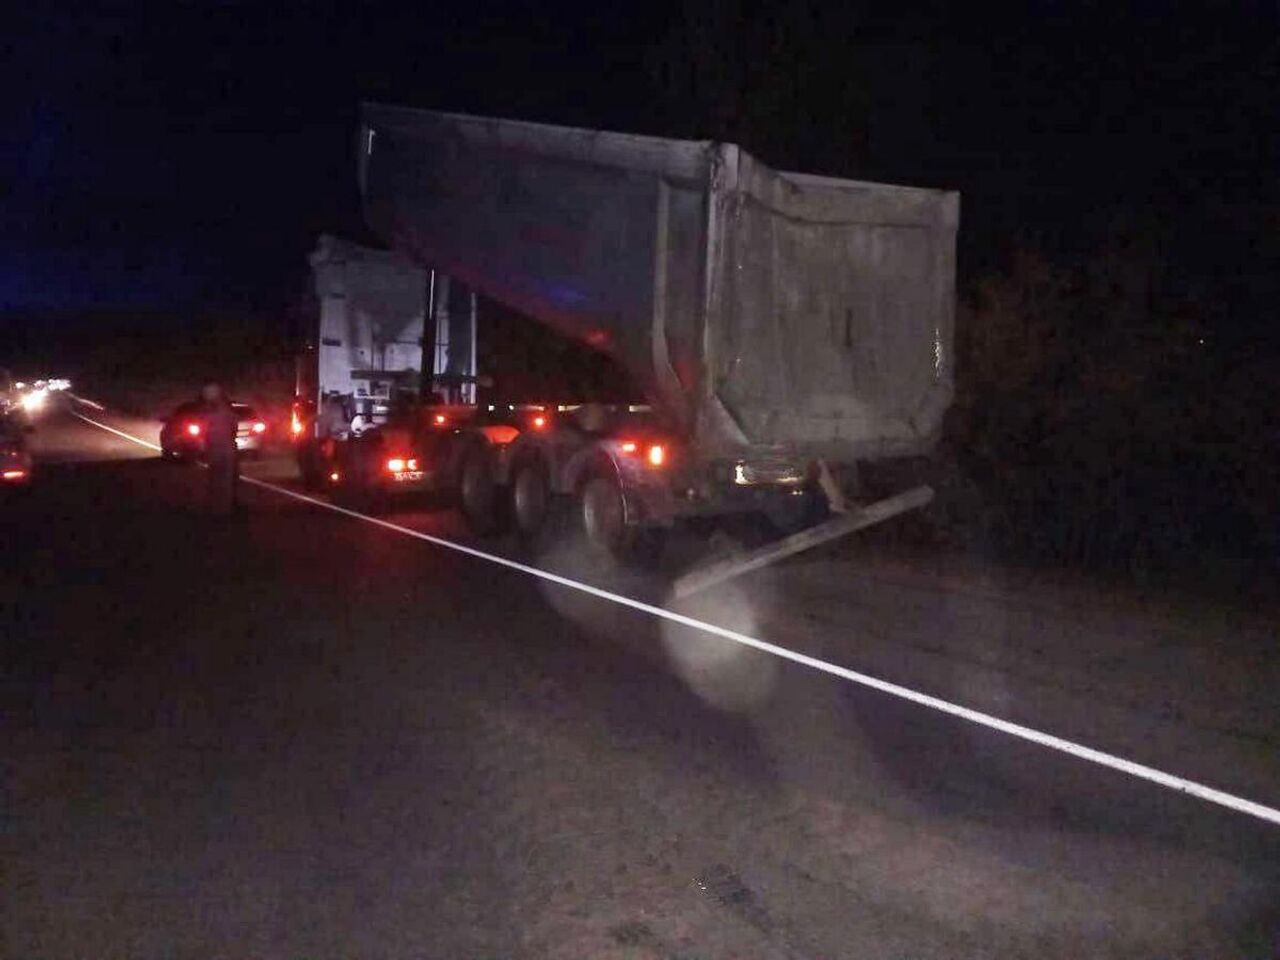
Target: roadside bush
{"x":1097,"y":425}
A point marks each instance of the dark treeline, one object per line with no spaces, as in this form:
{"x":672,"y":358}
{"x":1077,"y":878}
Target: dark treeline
{"x":1101,"y":420}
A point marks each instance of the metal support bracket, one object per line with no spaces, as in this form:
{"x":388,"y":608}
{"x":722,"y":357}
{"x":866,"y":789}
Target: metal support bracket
{"x":838,"y":526}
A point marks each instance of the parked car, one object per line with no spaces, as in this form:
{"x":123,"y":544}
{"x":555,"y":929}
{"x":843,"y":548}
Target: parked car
{"x":183,"y":431}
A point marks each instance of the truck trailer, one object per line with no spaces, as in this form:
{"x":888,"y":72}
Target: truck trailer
{"x":777,"y":330}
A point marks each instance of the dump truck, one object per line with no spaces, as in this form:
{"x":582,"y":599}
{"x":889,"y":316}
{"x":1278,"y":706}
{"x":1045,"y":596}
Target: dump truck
{"x":777,"y":330}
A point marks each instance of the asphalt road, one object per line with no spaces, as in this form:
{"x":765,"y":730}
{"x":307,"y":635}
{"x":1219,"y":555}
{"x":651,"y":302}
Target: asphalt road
{"x":296,"y":734}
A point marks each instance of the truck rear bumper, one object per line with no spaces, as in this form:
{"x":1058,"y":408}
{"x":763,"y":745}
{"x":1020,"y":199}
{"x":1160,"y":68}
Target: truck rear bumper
{"x":653,"y":505}
{"x":420,"y":481}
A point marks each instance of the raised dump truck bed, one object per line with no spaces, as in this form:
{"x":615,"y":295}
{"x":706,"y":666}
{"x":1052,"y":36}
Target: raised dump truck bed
{"x":757,"y":308}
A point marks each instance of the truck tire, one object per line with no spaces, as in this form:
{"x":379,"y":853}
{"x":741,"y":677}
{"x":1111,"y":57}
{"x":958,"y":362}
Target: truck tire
{"x":310,"y":467}
{"x":478,"y":494}
{"x":602,"y":521}
{"x":795,"y":513}
{"x":359,"y":489}
{"x":532,"y":502}
{"x":602,"y":516}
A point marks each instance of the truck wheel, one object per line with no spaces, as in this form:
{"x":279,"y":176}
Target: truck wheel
{"x":478,"y":494}
{"x":602,"y":520}
{"x":795,"y":513}
{"x":358,"y":488}
{"x":352,"y":492}
{"x":531,"y":502}
{"x":310,"y":467}
{"x":602,"y":516}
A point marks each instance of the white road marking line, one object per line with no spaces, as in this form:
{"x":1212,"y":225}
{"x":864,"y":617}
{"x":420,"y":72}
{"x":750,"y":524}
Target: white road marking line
{"x":87,"y":402}
{"x":1069,"y":747}
{"x":118,"y":433}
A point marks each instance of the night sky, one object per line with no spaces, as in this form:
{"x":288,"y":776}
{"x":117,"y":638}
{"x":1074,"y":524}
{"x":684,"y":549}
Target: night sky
{"x":161,"y":155}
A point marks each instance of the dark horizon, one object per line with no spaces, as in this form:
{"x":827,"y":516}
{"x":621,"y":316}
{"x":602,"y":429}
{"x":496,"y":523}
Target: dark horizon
{"x":192,"y":157}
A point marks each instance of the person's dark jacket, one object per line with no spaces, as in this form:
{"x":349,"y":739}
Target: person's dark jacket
{"x":220,"y":423}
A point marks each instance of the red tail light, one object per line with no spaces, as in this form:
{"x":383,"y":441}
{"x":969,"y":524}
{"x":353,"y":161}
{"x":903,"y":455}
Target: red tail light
{"x":259,"y":427}
{"x":396,"y":465}
{"x":335,"y":477}
{"x":500,"y":433}
{"x":655,"y":453}
{"x":295,"y":424}
{"x":539,"y":422}
{"x":14,"y":475}
{"x":411,"y":464}
{"x":193,"y":429}
{"x":440,"y":419}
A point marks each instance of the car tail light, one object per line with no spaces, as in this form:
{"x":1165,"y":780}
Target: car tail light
{"x":396,"y":465}
{"x":259,"y":427}
{"x":539,"y":422}
{"x":440,"y":419}
{"x":629,"y":446}
{"x":335,"y":477}
{"x":193,"y":429}
{"x":411,"y":464}
{"x":14,"y":474}
{"x":657,"y":455}
{"x":295,"y":424}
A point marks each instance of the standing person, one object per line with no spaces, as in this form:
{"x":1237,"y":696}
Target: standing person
{"x":334,"y":423}
{"x":220,"y":449}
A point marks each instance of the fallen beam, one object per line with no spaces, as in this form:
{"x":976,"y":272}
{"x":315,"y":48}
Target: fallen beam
{"x":702,"y":577}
